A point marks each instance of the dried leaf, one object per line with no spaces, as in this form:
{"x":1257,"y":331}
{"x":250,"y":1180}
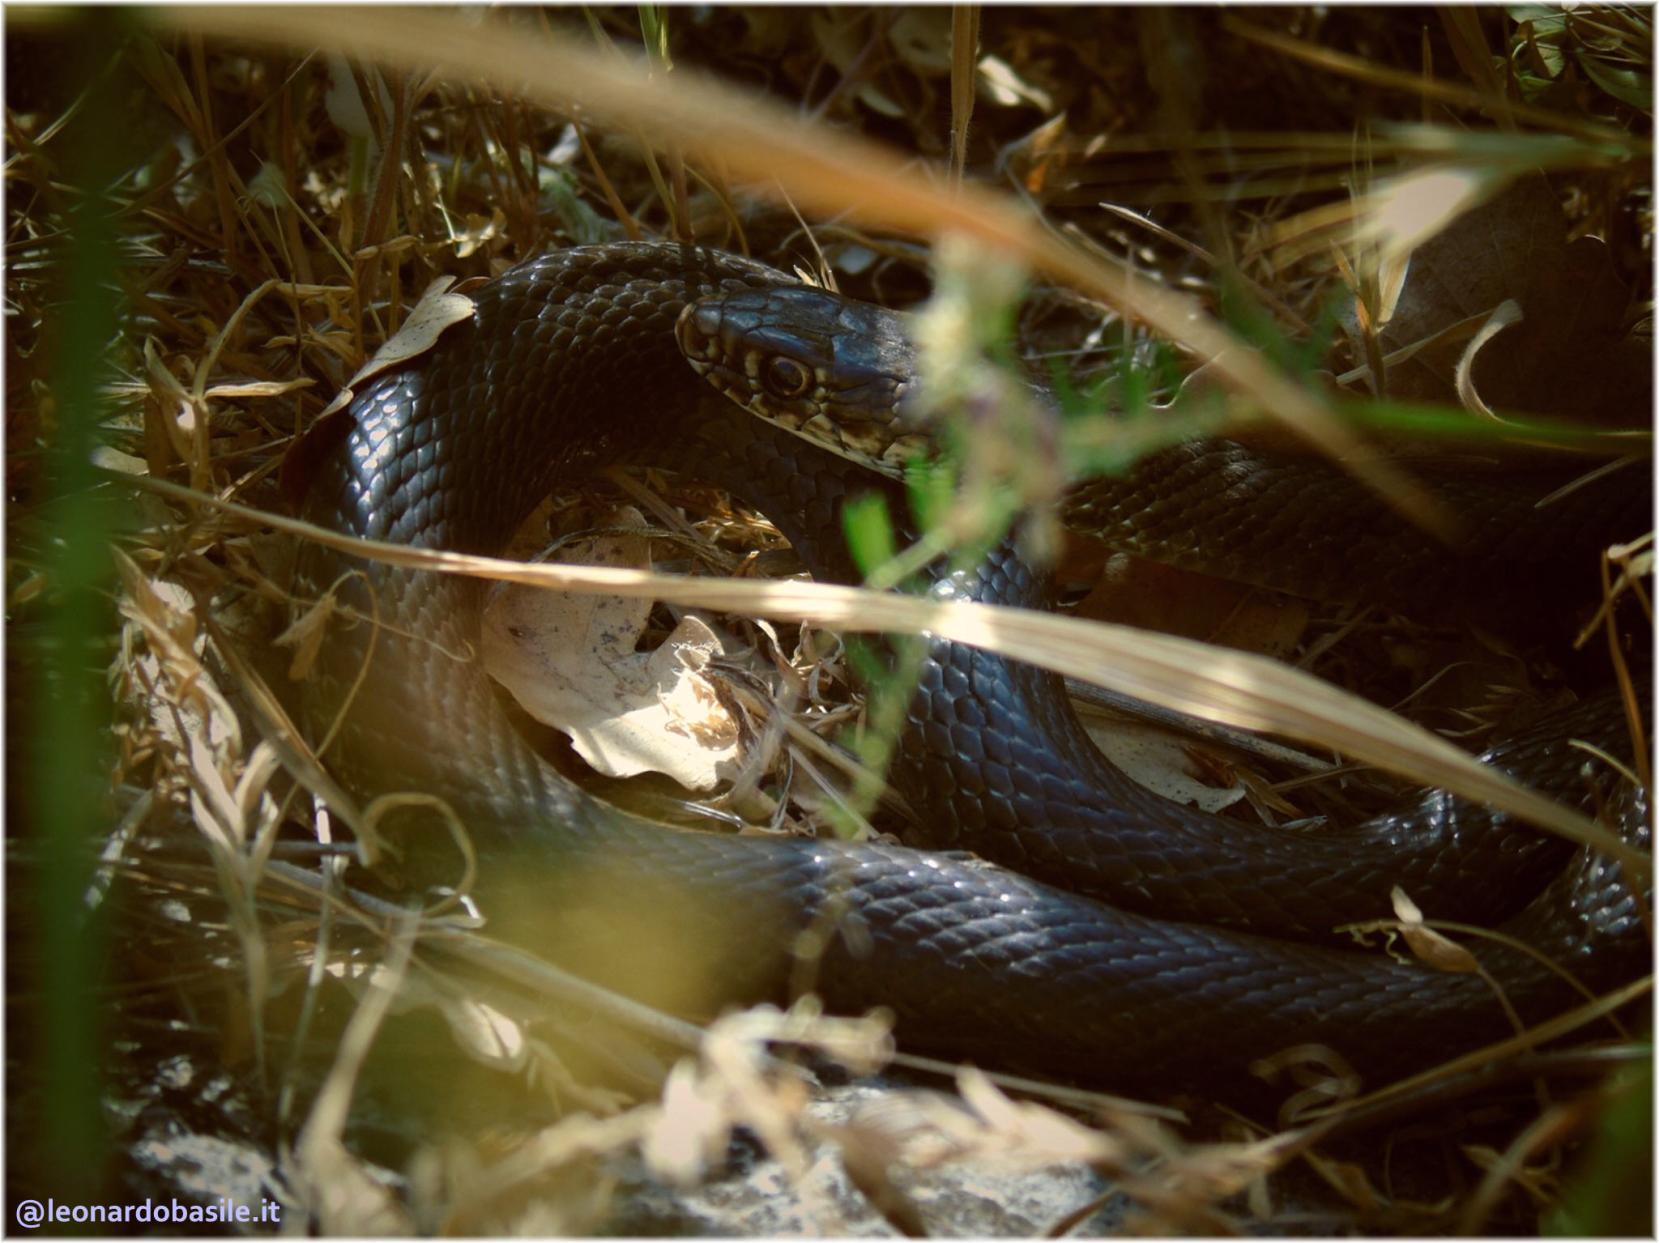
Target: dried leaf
{"x":920,"y":37}
{"x":1007,"y":88}
{"x":305,"y":635}
{"x":106,"y":458}
{"x":570,"y":661}
{"x":211,"y":802}
{"x":692,"y":1130}
{"x":260,"y":388}
{"x":1032,"y":1132}
{"x":438,"y":308}
{"x":171,"y":403}
{"x":869,"y":1156}
{"x":477,"y":231}
{"x":1506,"y":313}
{"x":841,"y":34}
{"x":1157,"y":761}
{"x":490,"y":1036}
{"x":1569,"y":357}
{"x":194,"y":709}
{"x":1347,"y":1178}
{"x":1430,"y":946}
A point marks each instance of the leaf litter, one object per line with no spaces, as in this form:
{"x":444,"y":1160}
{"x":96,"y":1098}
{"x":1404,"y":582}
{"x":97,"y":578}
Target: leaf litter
{"x":186,"y":740}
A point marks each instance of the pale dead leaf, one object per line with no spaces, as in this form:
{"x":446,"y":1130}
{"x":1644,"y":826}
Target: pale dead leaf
{"x":920,"y":37}
{"x":211,"y":804}
{"x":1007,"y":88}
{"x":478,"y":231}
{"x":260,"y":388}
{"x":1507,"y":312}
{"x":491,"y":1037}
{"x":570,"y":661}
{"x":114,"y":460}
{"x":174,"y":646}
{"x":1348,"y":1179}
{"x":437,"y":309}
{"x":344,"y":100}
{"x":1030,"y":1132}
{"x":305,"y":635}
{"x":1430,"y":946}
{"x":173,"y":403}
{"x":841,"y":36}
{"x":692,"y":1130}
{"x":870,"y":1158}
{"x":486,"y":1034}
{"x":1156,"y":760}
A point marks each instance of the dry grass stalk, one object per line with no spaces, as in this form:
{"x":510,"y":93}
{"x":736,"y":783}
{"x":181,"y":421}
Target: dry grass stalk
{"x":208,"y":388}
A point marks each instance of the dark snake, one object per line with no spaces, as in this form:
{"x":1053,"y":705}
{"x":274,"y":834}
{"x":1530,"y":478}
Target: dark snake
{"x":1117,"y":937}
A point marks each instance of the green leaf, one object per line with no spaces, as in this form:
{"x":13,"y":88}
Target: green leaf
{"x":869,"y":530}
{"x":653,"y":27}
{"x":1543,"y":55}
{"x":931,"y":486}
{"x":1625,"y":85}
{"x":868,"y":660}
{"x":1548,"y":26}
{"x":1610,"y":1191}
{"x":560,"y":196}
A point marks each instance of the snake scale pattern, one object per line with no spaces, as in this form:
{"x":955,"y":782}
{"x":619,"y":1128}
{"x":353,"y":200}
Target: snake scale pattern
{"x":1117,"y":937}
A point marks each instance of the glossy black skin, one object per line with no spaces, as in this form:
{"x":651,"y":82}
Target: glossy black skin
{"x":571,"y":361}
{"x":994,"y":746}
{"x":797,"y":355}
{"x":859,"y":351}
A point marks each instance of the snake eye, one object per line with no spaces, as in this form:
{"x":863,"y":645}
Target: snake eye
{"x":787,"y":378}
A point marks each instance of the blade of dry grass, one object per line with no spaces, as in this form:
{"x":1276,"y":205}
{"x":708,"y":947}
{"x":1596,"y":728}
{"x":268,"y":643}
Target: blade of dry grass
{"x":1539,"y":1034}
{"x":1235,"y":688}
{"x":1447,"y":92}
{"x":964,"y":55}
{"x":340,"y":1194}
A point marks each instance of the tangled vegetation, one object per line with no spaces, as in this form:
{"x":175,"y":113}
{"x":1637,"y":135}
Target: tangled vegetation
{"x":215,"y":217}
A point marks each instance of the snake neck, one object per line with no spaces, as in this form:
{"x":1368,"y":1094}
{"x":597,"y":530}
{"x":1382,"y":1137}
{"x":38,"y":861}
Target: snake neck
{"x":440,"y":454}
{"x":568,"y":360}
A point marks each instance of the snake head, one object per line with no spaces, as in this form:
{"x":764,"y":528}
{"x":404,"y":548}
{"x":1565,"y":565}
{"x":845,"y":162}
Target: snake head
{"x":830,"y":369}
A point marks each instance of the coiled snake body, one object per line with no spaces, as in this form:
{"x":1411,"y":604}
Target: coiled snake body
{"x":1171,"y":957}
